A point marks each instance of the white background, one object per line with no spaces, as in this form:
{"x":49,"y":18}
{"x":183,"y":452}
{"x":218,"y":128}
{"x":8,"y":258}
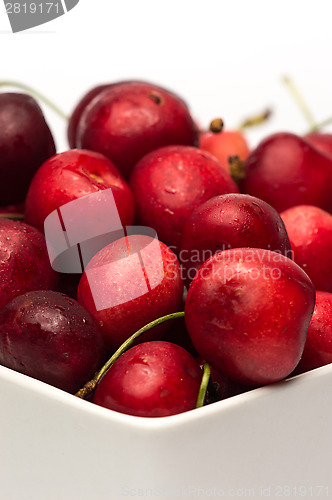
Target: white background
{"x":225,"y":58}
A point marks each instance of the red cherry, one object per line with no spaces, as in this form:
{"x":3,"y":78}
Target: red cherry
{"x":24,"y":262}
{"x":310,"y":232}
{"x":82,"y":105}
{"x":323,"y":142}
{"x":248,"y":311}
{"x":169,"y":183}
{"x":128,"y":284}
{"x":25,"y":143}
{"x":71,"y":175}
{"x":127,"y":121}
{"x":230,"y":221}
{"x":318,"y":346}
{"x":285,"y":171}
{"x":225,"y":144}
{"x":153,"y":379}
{"x":51,"y":337}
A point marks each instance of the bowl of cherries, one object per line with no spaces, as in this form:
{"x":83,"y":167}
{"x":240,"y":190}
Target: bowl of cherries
{"x":165,"y":303}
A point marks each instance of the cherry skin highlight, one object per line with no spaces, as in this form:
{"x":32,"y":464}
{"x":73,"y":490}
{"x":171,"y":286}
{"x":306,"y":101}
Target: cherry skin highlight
{"x":24,"y":262}
{"x":285,"y":171}
{"x":127,"y":121}
{"x":169,"y":183}
{"x":128,"y":284}
{"x":247,"y":313}
{"x":52,"y":338}
{"x":153,"y":379}
{"x":230,"y":221}
{"x":71,"y":175}
{"x":310,"y":232}
{"x":318,"y":346}
{"x":25,"y":143}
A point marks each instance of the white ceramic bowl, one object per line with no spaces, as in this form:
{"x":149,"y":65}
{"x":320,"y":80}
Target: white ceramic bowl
{"x":274,"y":441}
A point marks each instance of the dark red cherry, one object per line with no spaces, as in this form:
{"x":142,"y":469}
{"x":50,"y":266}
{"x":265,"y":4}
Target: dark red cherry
{"x":318,"y":346}
{"x":310,"y":232}
{"x":128,"y":120}
{"x":247,"y":313}
{"x":24,"y":261}
{"x":52,"y":338}
{"x":153,"y":379}
{"x":285,"y":170}
{"x":128,"y":284}
{"x":230,"y":221}
{"x":71,"y":175}
{"x":25,"y":143}
{"x":169,"y":183}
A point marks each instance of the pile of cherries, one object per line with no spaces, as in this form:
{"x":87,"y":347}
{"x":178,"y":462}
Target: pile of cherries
{"x":233,"y":293}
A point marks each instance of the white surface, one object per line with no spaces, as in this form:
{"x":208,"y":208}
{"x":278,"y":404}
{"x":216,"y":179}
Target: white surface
{"x":275,"y":439}
{"x":225,"y":58}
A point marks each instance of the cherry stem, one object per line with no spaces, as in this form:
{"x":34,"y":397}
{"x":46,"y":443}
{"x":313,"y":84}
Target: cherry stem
{"x":314,"y":127}
{"x":237,"y":168}
{"x":255,"y":120}
{"x":12,"y":216}
{"x":299,"y":99}
{"x":36,"y":94}
{"x":204,"y":385}
{"x":318,"y":126}
{"x":92,"y":384}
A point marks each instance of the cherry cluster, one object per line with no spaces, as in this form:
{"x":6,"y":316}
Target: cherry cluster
{"x":212,"y":275}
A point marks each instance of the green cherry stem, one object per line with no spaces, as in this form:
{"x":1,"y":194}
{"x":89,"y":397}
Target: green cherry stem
{"x":314,"y":127}
{"x":204,"y":385}
{"x":318,"y":126}
{"x":36,"y":94}
{"x":92,"y":384}
{"x":299,"y":99}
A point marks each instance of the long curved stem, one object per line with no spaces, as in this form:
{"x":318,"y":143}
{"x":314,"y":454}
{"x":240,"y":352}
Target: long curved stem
{"x":91,"y":385}
{"x":36,"y":94}
{"x":299,"y":99}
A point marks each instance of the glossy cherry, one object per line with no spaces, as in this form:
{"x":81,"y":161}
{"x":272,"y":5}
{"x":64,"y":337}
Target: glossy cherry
{"x":153,"y":379}
{"x":169,"y":183}
{"x":24,"y":262}
{"x":230,"y":221}
{"x":71,"y":175}
{"x":25,"y":143}
{"x":52,"y":338}
{"x":310,"y":232}
{"x":128,"y":284}
{"x":285,"y":171}
{"x":127,"y":121}
{"x":248,"y":311}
